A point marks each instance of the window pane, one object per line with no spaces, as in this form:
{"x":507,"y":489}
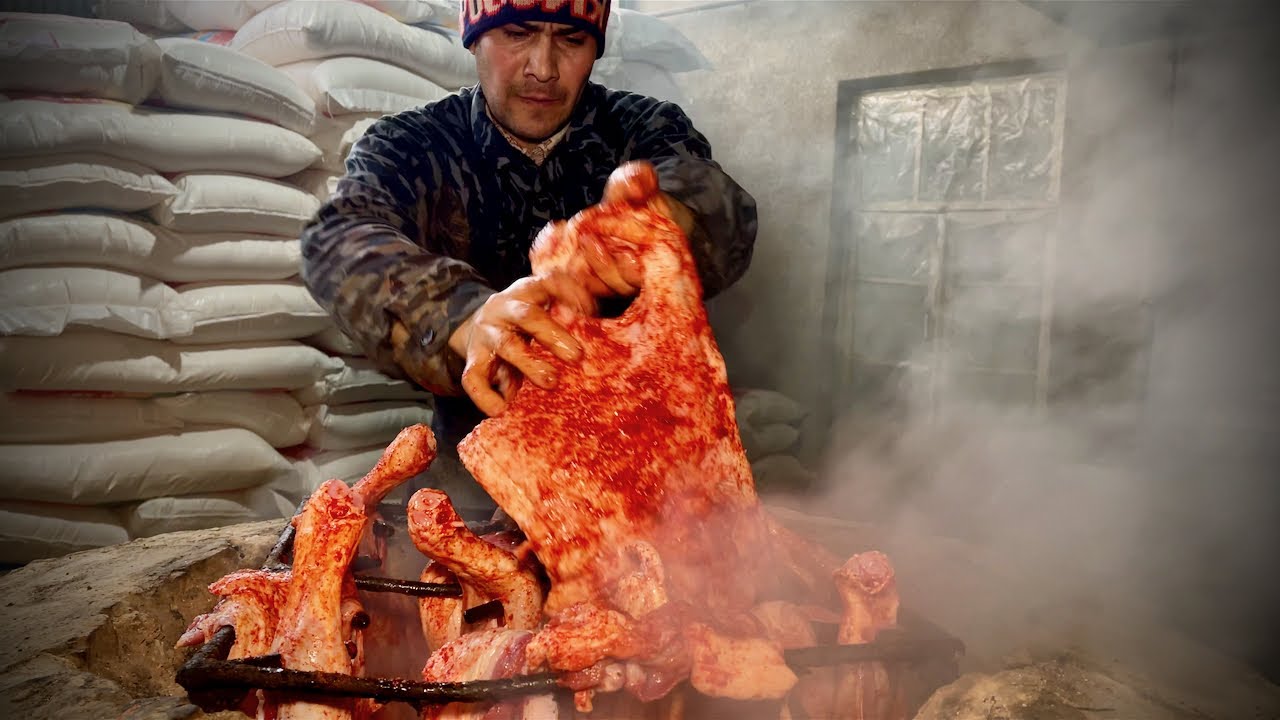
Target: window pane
{"x":1004,"y":390}
{"x":890,"y":322}
{"x":888,"y":134}
{"x":995,"y":247}
{"x":870,"y":388}
{"x":896,"y":246}
{"x":1023,"y":140}
{"x":996,"y":328}
{"x":955,"y":143}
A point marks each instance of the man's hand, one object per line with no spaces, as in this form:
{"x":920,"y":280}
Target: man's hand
{"x":601,"y":272}
{"x":609,"y":274}
{"x":630,"y":183}
{"x":495,"y":340}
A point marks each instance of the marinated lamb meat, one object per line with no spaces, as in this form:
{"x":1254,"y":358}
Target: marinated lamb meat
{"x":485,"y":655}
{"x":310,"y":634}
{"x":868,"y":588}
{"x":312,"y":615}
{"x":411,"y":453}
{"x":869,"y":591}
{"x":644,"y":571}
{"x":629,"y":478}
{"x":441,"y":617}
{"x":250,"y":603}
{"x":495,"y":573}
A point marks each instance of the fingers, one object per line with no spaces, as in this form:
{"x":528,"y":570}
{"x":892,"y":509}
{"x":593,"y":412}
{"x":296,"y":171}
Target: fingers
{"x":517,"y":360}
{"x":529,"y":317}
{"x":498,"y":353}
{"x":605,"y":267}
{"x":507,"y":381}
{"x":492,"y":378}
{"x":515,"y":352}
{"x":633,"y":182}
{"x":568,"y":289}
{"x":477,"y":381}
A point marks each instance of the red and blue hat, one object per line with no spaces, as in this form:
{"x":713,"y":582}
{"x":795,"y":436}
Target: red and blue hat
{"x":478,"y":16}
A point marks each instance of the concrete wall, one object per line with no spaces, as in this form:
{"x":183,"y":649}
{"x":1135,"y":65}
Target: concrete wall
{"x":769,"y":109}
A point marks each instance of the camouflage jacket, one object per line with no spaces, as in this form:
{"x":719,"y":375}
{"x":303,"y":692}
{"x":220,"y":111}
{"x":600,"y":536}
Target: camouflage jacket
{"x":437,"y":210}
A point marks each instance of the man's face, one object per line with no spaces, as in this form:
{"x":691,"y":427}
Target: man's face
{"x":532,"y":75}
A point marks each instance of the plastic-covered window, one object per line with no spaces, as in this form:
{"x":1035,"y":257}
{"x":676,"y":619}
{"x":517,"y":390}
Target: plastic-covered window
{"x":953,"y":198}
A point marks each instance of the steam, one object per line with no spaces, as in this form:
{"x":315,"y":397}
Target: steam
{"x":1146,"y":484}
{"x":1148,"y":481}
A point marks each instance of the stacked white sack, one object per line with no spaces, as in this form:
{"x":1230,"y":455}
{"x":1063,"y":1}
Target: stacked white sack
{"x":111,"y":204}
{"x":643,"y":54}
{"x":357,"y":61}
{"x":353,"y":84}
{"x":352,"y":416}
{"x":347,"y":430}
{"x":769,"y":425}
{"x":298,"y":30}
{"x":249,"y":309}
{"x":179,"y":15}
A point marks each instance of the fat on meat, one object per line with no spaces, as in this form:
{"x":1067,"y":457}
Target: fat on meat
{"x":441,"y":617}
{"x":485,"y":655}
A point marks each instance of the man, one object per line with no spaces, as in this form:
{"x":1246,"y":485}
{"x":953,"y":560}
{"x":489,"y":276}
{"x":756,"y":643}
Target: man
{"x":421,"y":255}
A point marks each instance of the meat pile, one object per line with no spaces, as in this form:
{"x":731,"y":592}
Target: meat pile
{"x":312,"y":615}
{"x":641,"y":559}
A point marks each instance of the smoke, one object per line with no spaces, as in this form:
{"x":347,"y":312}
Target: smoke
{"x":1146,"y":482}
{"x":1142,"y":482}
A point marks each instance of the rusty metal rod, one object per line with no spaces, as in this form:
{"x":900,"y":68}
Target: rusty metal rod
{"x":484,"y":611}
{"x":408,"y":587}
{"x":213,"y":676}
{"x":215,"y":683}
{"x":215,"y":650}
{"x":889,"y":645}
{"x":284,"y":546}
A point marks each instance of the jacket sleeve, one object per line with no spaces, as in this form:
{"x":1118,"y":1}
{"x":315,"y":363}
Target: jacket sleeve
{"x":724,"y":213}
{"x":362,"y":264}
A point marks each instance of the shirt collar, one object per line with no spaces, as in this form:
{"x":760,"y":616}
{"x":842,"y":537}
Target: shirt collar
{"x":537,"y":153}
{"x":487,"y":132}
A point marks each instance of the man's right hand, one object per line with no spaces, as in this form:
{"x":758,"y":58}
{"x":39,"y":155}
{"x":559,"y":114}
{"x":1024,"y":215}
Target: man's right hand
{"x":495,"y":339}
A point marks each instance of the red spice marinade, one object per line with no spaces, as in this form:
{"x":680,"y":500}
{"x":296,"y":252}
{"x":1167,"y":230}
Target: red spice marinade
{"x":638,"y":442}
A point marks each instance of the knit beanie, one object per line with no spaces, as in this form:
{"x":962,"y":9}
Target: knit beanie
{"x":479,"y":16}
